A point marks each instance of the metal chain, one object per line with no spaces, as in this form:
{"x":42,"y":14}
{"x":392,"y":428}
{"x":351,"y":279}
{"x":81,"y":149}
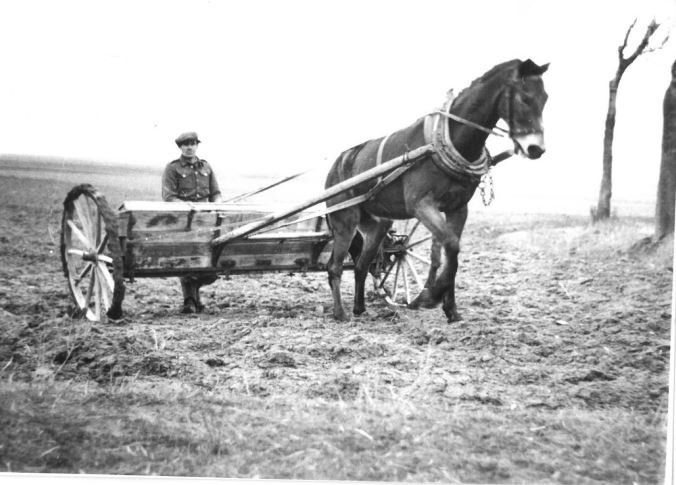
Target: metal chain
{"x":486,"y":188}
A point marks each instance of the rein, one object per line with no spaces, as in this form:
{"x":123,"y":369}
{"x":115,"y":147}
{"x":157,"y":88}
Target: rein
{"x":497,"y":131}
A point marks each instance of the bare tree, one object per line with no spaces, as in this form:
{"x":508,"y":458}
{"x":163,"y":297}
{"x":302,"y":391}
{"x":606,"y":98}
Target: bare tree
{"x":666,"y":185}
{"x":603,"y":208}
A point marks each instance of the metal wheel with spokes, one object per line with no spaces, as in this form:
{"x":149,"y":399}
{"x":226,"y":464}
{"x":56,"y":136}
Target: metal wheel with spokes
{"x":402,"y":268}
{"x":91,"y":255}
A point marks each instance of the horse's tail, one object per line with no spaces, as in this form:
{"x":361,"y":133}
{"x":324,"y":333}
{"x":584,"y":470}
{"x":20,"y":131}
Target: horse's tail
{"x":342,"y":170}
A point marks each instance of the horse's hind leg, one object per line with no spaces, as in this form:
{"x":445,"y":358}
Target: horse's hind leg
{"x":373,"y":232}
{"x":456,"y":223}
{"x":343,"y":226}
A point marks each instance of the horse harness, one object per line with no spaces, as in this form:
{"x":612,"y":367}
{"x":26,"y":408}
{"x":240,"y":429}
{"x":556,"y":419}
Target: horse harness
{"x":444,"y":155}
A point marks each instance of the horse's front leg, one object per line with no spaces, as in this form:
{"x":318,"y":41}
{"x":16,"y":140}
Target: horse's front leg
{"x":455,"y":222}
{"x":428,"y":213}
{"x":435,"y":260}
{"x":446,"y":231}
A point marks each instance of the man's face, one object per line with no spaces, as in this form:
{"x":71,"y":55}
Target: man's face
{"x":188,"y":148}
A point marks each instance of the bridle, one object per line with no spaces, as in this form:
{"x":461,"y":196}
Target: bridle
{"x":450,"y":160}
{"x":510,"y":116}
{"x":497,"y":130}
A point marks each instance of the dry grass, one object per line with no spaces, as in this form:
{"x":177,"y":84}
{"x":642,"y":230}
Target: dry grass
{"x":187,"y":432}
{"x":610,"y":235}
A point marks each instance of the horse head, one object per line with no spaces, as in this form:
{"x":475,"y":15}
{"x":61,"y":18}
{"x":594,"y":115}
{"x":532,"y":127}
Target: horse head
{"x":521,"y":107}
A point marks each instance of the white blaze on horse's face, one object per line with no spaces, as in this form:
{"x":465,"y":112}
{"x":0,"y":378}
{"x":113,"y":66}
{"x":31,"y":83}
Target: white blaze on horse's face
{"x":524,"y":103}
{"x":531,"y":145}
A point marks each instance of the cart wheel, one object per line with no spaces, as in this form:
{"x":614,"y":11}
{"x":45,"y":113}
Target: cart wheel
{"x":91,"y":255}
{"x":402,"y":269}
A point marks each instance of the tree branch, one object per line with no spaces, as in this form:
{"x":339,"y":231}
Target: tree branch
{"x":656,"y":48}
{"x":641,"y":47}
{"x":620,"y":49}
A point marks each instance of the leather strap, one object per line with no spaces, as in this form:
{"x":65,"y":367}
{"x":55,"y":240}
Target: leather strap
{"x":381,"y":148}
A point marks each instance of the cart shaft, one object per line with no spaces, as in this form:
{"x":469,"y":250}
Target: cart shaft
{"x":337,"y":189}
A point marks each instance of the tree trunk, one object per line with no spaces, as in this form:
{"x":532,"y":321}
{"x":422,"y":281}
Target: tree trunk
{"x":603,"y":207}
{"x":666,"y":185}
{"x":602,"y":210}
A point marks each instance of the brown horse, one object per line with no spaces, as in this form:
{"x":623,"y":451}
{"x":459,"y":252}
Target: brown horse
{"x":436,"y":189}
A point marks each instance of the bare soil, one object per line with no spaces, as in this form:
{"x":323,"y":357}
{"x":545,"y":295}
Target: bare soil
{"x":556,"y":374}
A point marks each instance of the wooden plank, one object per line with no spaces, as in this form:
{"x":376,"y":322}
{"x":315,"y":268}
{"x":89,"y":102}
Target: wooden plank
{"x":198,"y":225}
{"x":154,"y":224}
{"x":168,"y":256}
{"x":183,"y":206}
{"x":293,"y":253}
{"x":243,"y":264}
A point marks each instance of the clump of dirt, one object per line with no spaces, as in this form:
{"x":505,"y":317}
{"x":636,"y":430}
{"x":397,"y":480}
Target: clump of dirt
{"x":343,"y":387}
{"x":109,"y":367}
{"x":432,"y":336}
{"x":278,"y":358}
{"x":355,"y":346}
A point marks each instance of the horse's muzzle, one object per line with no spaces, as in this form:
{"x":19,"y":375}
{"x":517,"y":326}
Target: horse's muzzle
{"x":531,"y":145}
{"x":535,"y":152}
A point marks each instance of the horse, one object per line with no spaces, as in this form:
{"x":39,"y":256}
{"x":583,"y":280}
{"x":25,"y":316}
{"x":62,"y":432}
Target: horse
{"x":436,"y":188}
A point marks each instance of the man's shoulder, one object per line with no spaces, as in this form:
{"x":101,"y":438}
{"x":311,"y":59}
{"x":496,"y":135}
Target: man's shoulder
{"x":173,"y":165}
{"x":205,"y":163}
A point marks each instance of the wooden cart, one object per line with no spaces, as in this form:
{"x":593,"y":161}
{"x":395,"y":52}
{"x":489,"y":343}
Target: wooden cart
{"x":101,"y":248}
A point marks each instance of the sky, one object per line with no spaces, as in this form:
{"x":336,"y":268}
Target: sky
{"x":273,"y":87}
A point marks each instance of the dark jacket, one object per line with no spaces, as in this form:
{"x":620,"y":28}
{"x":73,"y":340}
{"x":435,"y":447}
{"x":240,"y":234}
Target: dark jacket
{"x":184,"y":179}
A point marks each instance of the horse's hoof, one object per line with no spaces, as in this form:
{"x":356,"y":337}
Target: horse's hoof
{"x":453,"y":317}
{"x":424,"y":300}
{"x":341,"y":316}
{"x":114,"y":313}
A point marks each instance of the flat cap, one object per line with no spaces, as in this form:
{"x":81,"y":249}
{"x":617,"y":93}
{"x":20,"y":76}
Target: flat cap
{"x":183,"y":137}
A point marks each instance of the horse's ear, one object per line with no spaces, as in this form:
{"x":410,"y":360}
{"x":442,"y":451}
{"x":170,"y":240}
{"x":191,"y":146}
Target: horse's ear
{"x":529,"y":68}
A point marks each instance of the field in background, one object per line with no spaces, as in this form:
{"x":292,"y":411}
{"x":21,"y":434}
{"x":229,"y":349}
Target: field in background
{"x":130,"y":182}
{"x":557,"y":374}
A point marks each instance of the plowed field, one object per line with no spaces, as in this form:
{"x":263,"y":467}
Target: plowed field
{"x":556,"y":374}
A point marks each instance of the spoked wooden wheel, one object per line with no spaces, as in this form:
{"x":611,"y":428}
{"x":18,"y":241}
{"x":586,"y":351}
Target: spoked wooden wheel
{"x":90,"y":253}
{"x":403,"y":267}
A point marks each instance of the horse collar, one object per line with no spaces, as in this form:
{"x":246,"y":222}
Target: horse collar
{"x":446,"y":156}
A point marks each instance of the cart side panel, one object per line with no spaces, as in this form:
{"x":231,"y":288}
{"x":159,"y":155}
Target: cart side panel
{"x":247,"y":255}
{"x":275,"y":253}
{"x":140,"y":219}
{"x":182,"y":225}
{"x":169,"y":257}
{"x":169,"y":239}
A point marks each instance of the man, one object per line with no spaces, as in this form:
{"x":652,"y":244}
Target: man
{"x":191,"y":179}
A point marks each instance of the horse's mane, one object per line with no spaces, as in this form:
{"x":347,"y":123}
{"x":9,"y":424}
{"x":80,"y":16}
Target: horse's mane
{"x":501,"y":69}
